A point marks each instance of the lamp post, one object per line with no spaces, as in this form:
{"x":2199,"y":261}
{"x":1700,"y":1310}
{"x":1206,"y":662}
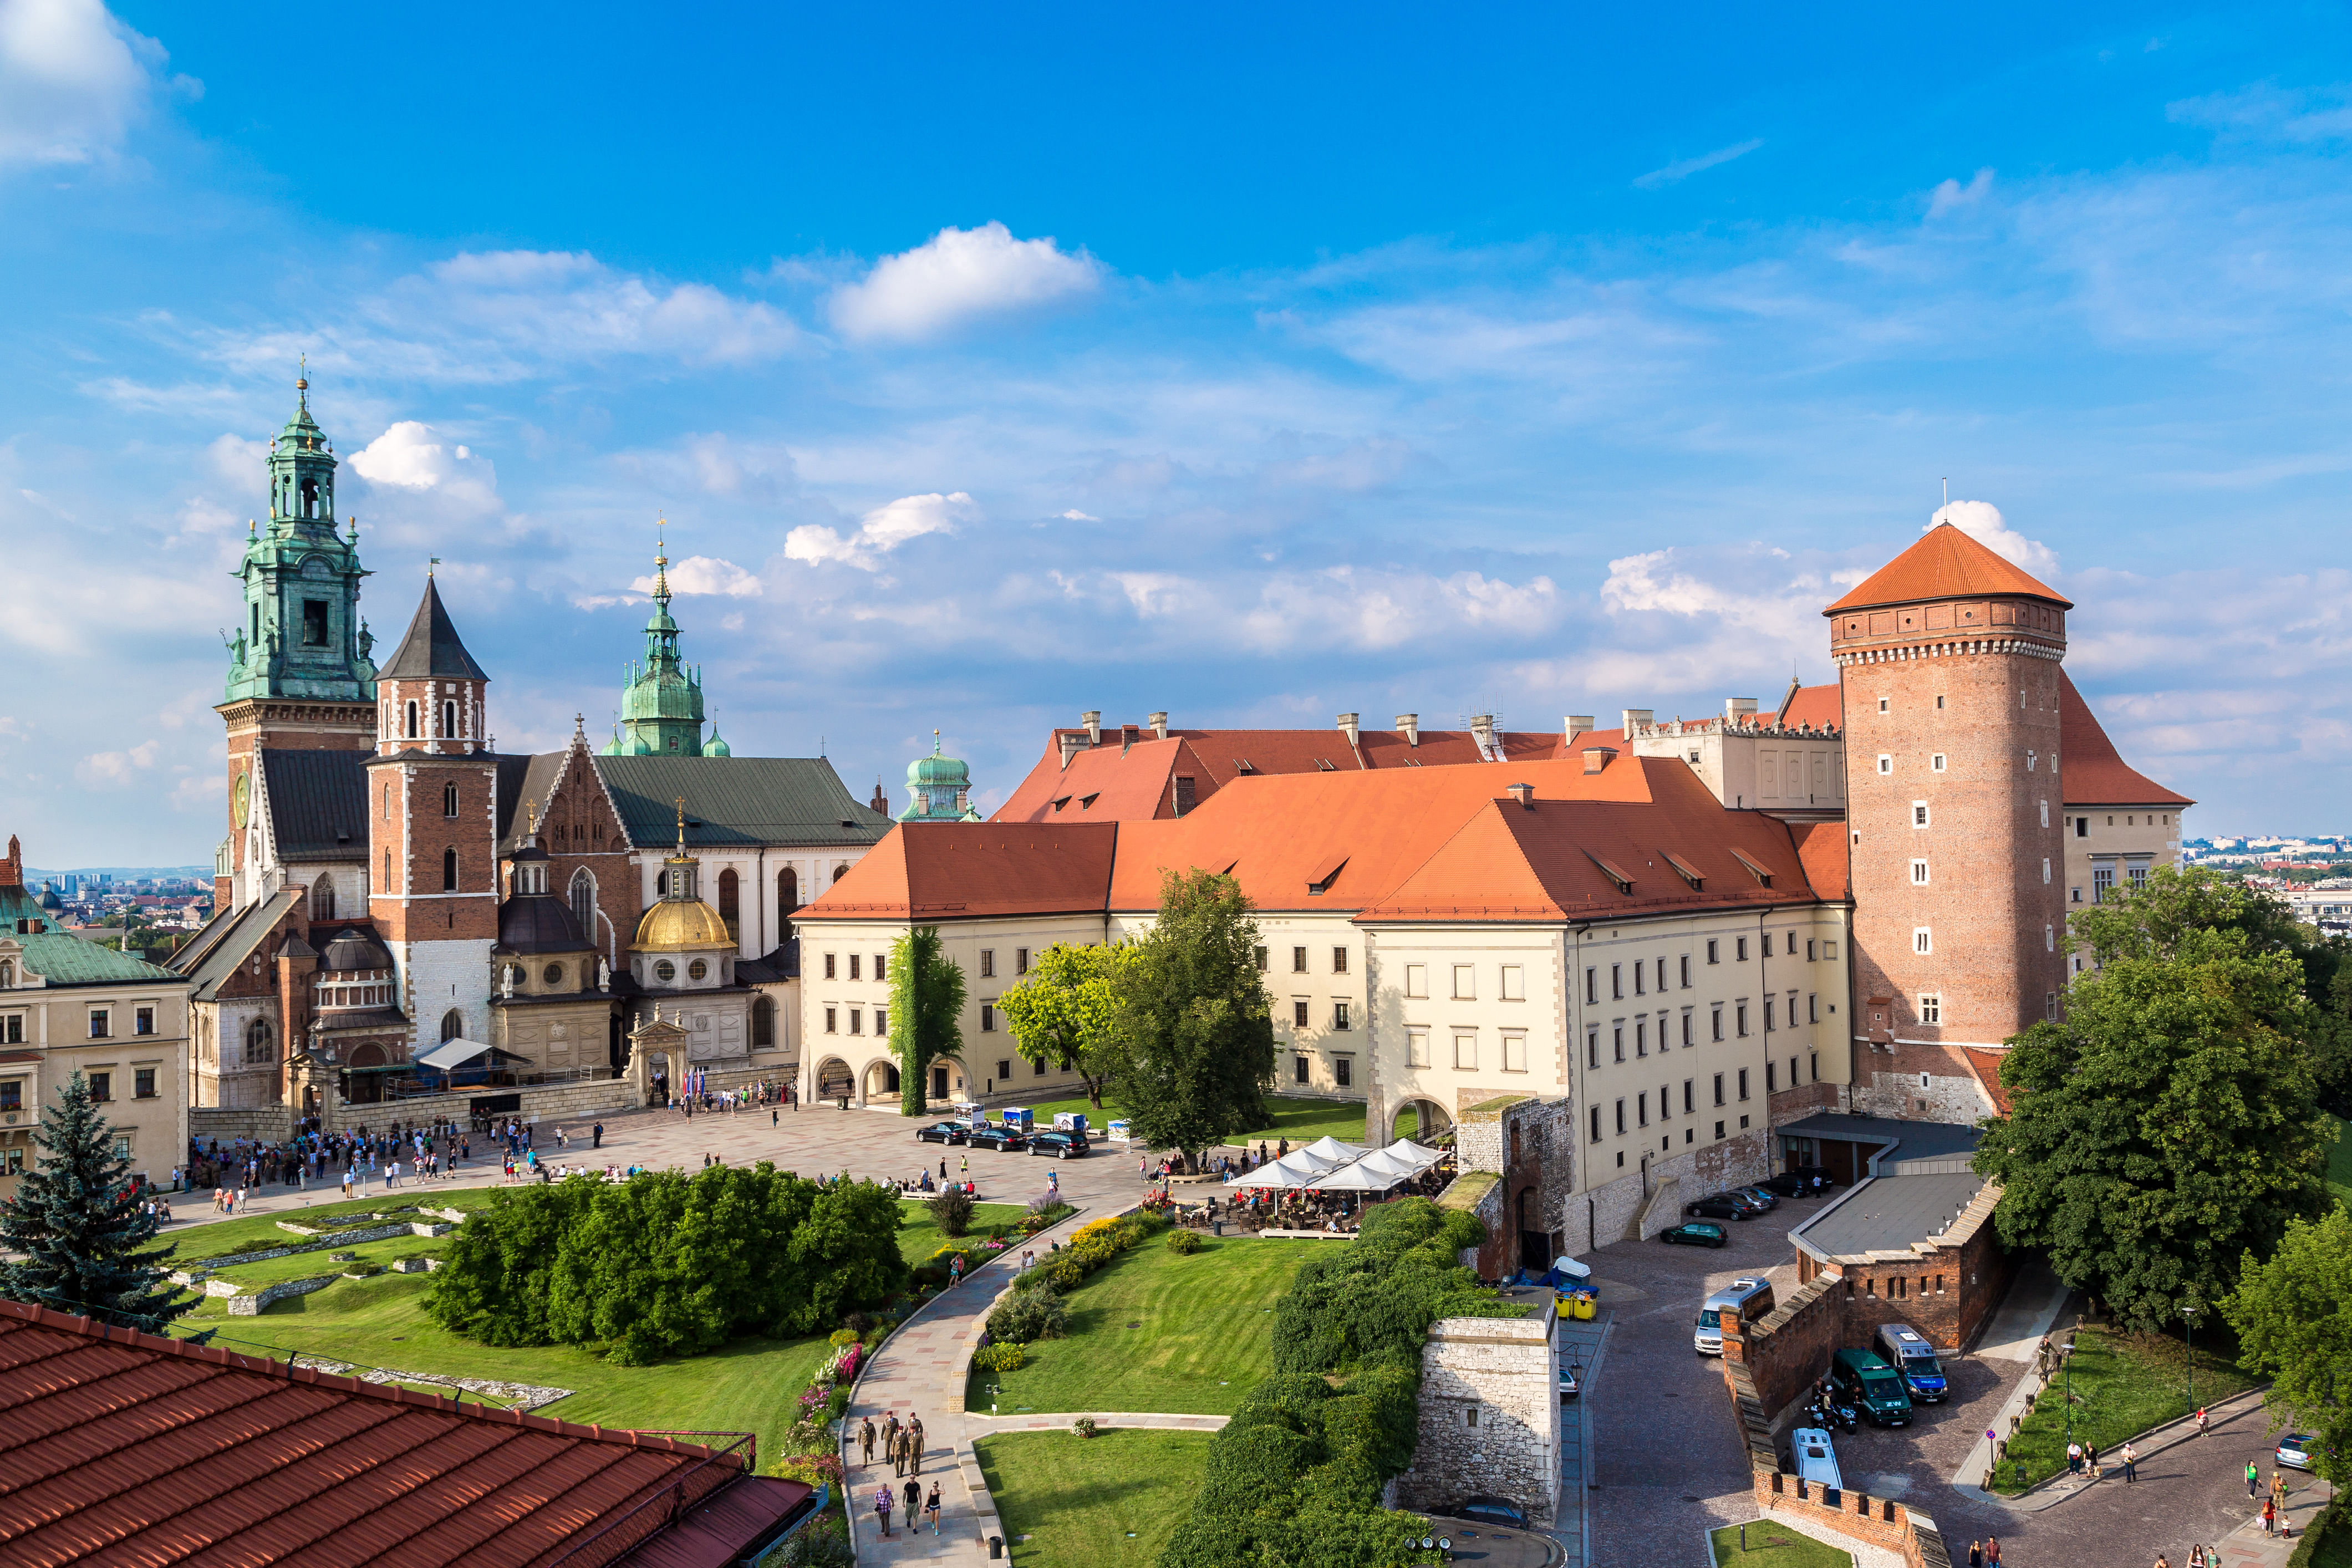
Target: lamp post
{"x":2190,"y":1310}
{"x":2066,"y":1353}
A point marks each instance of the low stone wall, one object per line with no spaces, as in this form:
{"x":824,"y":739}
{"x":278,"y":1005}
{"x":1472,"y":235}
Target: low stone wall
{"x":339,"y":1239}
{"x":1490,"y":1415}
{"x":267,"y":1124}
{"x":251,"y":1306}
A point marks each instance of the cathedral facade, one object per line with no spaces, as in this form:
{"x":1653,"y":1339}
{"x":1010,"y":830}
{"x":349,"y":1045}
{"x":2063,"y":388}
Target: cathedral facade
{"x":392,"y":887}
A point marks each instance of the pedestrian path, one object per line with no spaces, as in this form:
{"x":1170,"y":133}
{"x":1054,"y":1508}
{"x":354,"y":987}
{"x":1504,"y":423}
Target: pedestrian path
{"x":2060,"y":1488}
{"x":1582,"y":1344}
{"x":2248,"y":1547}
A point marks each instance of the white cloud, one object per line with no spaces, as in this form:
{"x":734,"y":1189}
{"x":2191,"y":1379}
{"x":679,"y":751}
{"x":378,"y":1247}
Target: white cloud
{"x":706,"y":575}
{"x":1363,"y":610}
{"x":881,"y":531}
{"x":1981,"y":520}
{"x":73,"y":79}
{"x":956,"y":275}
{"x":1676,"y":172}
{"x":1952,"y":194}
{"x":406,"y":458}
{"x":1074,"y":515}
{"x":117,"y":768}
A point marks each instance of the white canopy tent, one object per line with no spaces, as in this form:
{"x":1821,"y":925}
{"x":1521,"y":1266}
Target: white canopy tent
{"x":1300,"y":1168}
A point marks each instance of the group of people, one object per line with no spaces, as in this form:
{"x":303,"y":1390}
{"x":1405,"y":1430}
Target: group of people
{"x":902,"y":1447}
{"x":698,"y":1097}
{"x":351,"y":1157}
{"x":2082,"y":1459}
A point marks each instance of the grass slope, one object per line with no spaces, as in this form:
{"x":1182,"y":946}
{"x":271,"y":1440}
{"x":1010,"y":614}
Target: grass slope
{"x":2123,"y":1384}
{"x":1771,"y":1545}
{"x":1108,"y":1501}
{"x":255,"y":1232}
{"x":749,"y":1386}
{"x":1300,"y":1121}
{"x":1205,"y":1336}
{"x":919,"y":1237}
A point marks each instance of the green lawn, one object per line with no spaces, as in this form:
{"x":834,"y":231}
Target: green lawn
{"x":256,"y":1233}
{"x":2339,"y":1165}
{"x":919,"y":1238}
{"x":1204,"y":1333}
{"x":2123,"y":1384}
{"x":1108,"y":1501}
{"x":304,"y":1265}
{"x":1774,"y":1545}
{"x":1300,"y":1121}
{"x":752,"y":1385}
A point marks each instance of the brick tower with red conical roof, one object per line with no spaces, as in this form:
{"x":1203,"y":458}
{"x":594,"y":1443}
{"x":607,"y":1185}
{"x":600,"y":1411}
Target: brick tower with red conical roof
{"x":1948,"y":661}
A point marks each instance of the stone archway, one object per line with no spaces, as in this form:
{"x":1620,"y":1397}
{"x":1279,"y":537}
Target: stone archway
{"x":834,"y":1080}
{"x":880,"y":1077}
{"x":1428,"y":1121}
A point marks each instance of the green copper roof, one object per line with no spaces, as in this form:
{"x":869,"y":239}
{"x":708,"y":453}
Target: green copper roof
{"x":939,"y":789}
{"x":63,"y":959}
{"x":661,"y":700}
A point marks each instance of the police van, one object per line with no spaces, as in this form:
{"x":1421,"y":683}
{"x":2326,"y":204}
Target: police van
{"x":1908,"y":1352}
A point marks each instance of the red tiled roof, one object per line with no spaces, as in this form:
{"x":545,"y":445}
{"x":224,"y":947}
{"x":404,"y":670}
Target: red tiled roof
{"x":1134,"y":781}
{"x":965,"y":870}
{"x":1945,"y":563}
{"x":1987,"y":1065}
{"x":128,"y":1448}
{"x":2095,"y":772}
{"x":1824,"y":848}
{"x":1818,"y":707}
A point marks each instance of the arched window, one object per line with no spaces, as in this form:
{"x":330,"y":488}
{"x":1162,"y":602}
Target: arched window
{"x":448,"y":870}
{"x":841,"y":870}
{"x":788,"y":900}
{"x":412,"y":720}
{"x":729,"y":906}
{"x":257,"y":1047}
{"x":583,"y":902}
{"x":453,"y":1024}
{"x":450,"y":800}
{"x":448,"y":720}
{"x":763,"y":1023}
{"x":323,"y":899}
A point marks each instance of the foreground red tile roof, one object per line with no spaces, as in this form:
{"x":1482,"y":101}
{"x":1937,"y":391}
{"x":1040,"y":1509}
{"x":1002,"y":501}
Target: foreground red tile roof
{"x":126,"y":1448}
{"x":1946,"y":563}
{"x":1987,"y":1067}
{"x":2095,"y":772}
{"x":969,"y":870}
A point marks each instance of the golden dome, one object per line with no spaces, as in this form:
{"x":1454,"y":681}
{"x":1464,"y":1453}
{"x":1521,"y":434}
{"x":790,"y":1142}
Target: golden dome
{"x":680,"y":925}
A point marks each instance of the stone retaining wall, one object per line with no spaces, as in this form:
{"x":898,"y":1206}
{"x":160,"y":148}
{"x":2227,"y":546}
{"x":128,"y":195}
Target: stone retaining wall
{"x":339,"y":1239}
{"x":251,"y":1306}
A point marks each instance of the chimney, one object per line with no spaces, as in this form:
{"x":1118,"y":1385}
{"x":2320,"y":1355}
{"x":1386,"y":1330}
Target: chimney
{"x":1127,"y":735}
{"x":1069,"y":743}
{"x":1576,"y":724}
{"x":1596,"y":758}
{"x":1524,"y":794}
{"x":1159,"y":722}
{"x":1482,"y":730}
{"x":1092,"y":720}
{"x":1637,"y":718}
{"x":1409,"y":724}
{"x":1347,"y":728}
{"x":12,"y":869}
{"x":1737,"y":708}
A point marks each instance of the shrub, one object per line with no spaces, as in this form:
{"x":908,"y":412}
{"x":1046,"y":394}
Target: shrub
{"x":1084,"y":1425}
{"x":1065,"y":1272}
{"x":1094,"y":1251}
{"x":951,"y":1212}
{"x":815,"y":1470}
{"x":1029,"y":1315}
{"x":840,"y":1337}
{"x":822,"y":1542}
{"x":836,"y":1403}
{"x":1184,"y":1241}
{"x":858,"y":1323}
{"x":1000,"y":1357}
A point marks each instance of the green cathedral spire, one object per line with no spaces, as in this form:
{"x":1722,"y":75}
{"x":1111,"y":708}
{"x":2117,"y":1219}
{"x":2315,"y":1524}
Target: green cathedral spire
{"x":661,"y":704}
{"x":302,"y":635}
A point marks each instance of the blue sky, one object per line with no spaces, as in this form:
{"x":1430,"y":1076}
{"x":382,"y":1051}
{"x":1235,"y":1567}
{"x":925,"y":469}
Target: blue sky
{"x":993,"y":366}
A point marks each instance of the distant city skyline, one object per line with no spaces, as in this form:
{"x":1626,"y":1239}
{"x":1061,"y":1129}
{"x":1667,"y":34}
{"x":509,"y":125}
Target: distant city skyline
{"x":1530,"y":363}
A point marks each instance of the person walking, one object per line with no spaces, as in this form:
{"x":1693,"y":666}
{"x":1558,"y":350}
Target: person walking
{"x":2200,"y":1421}
{"x":955,"y":1271}
{"x":932,"y":1508}
{"x":2091,"y":1459}
{"x":1992,"y":1551}
{"x":894,"y":1449}
{"x":2197,"y":1556}
{"x":2074,"y":1465}
{"x":2269,"y":1516}
{"x":2253,"y":1477}
{"x":866,"y":1442}
{"x":882,"y":1508}
{"x":914,"y":1503}
{"x":915,"y":1446}
{"x":2131,"y":1464}
{"x":1975,"y":1554}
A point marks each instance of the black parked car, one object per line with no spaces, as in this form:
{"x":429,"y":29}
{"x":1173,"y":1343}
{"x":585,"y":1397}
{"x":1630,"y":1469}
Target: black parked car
{"x":1800,"y":1181}
{"x":1698,"y":1233}
{"x":942,"y":1132}
{"x":996,"y":1135}
{"x":1722,"y":1206}
{"x":1061,"y":1145}
{"x":1763,"y":1195}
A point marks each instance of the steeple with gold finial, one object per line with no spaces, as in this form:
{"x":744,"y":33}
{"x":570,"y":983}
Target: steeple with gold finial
{"x":661,"y":702}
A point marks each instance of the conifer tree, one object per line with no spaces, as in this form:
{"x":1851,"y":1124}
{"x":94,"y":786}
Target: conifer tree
{"x":80,"y":1227}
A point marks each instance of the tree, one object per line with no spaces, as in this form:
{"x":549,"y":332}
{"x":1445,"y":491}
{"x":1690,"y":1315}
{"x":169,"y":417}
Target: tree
{"x":2166,"y":1126}
{"x":2294,"y":1317}
{"x":926,"y":1001}
{"x":1194,"y":1048}
{"x":80,"y":1226}
{"x":1066,"y":1013}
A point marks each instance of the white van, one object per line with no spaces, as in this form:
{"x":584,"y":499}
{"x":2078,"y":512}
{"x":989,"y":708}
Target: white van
{"x":1752,"y":1296}
{"x":1816,"y":1460}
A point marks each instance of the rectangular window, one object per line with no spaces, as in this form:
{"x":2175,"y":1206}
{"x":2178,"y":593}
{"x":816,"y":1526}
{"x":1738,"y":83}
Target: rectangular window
{"x":1514,"y":1053}
{"x":1338,"y":961}
{"x":2138,"y":874}
{"x":143,"y":1083}
{"x":101,"y":1026}
{"x":1593,"y":1049}
{"x":1020,"y":961}
{"x":1297,"y":961}
{"x":1339,"y":1014}
{"x":1641,"y":1108}
{"x":1792,"y":1072}
{"x":12,"y":1094}
{"x":1936,"y":763}
{"x":143,"y":1022}
{"x":1918,"y":873}
{"x":1340,"y":1071}
{"x":2103,"y":882}
{"x":1299,"y":1069}
{"x":1931,"y":1009}
{"x":1918,"y":814}
{"x":1743,"y":1083}
{"x":1771,"y":1077}
{"x":1465,"y":1049}
{"x":1767,"y":944}
{"x":1712,"y":955}
{"x":829,"y":1022}
{"x":1813,"y":1066}
{"x":1514,"y":989}
{"x":1686,"y":1027}
{"x":1717,"y":1013}
{"x":1620,"y":1117}
{"x":1617,"y":981}
{"x":1416,"y":1047}
{"x":1640,"y":1036}
{"x":1039,"y":1067}
{"x":1769,"y":1022}
{"x":1739,"y":1013}
{"x":1416,"y":981}
{"x":102,"y":1086}
{"x":1592,"y":985}
{"x":853,"y":960}
{"x":1685,"y":961}
{"x":1261,"y":961}
{"x":1922,"y":939}
{"x":1466,"y":982}
{"x":1739,"y":948}
{"x":1004,"y":1068}
{"x":2082,"y":827}
{"x":881,"y":965}
{"x":1813,"y":1008}
{"x":987,"y":963}
{"x":1719,"y":1100}
{"x":1596,"y":1124}
{"x":1690,"y":1102}
{"x":987,"y":1018}
{"x":1662,"y":974}
{"x":828,"y":966}
{"x":1298,"y":1013}
{"x":1885,"y":764}
{"x":1617,"y":1042}
{"x":1719,"y":1129}
{"x":1640,"y":987}
{"x":856,"y":1021}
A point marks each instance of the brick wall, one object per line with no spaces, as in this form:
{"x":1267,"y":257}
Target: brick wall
{"x":1789,"y":1347}
{"x":1946,"y":1292}
{"x":413,"y":907}
{"x":1873,"y":1521}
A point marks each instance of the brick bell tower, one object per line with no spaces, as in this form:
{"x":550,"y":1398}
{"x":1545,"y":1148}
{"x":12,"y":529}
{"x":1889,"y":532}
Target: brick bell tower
{"x":433,"y":864}
{"x":1948,"y":667}
{"x":299,"y":677}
